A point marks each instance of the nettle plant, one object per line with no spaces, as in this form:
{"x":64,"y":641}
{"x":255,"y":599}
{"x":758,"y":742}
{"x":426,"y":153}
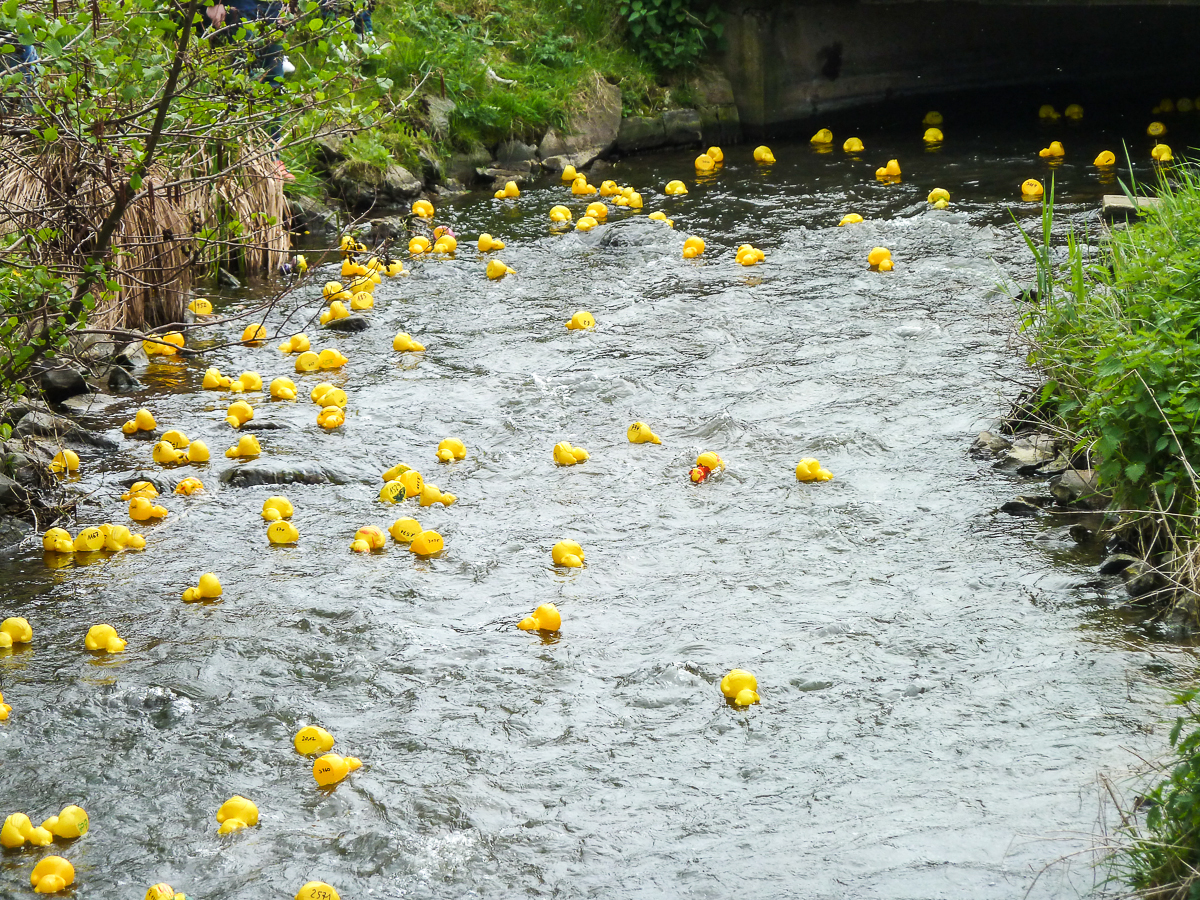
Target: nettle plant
{"x":672,"y":33}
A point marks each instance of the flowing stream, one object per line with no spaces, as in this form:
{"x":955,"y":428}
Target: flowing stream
{"x":941,"y":684}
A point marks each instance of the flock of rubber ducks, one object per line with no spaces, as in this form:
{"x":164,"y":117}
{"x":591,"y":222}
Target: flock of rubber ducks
{"x":401,"y":482}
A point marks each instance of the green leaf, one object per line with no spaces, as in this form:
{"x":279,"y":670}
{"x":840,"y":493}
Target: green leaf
{"x":1135,"y":471}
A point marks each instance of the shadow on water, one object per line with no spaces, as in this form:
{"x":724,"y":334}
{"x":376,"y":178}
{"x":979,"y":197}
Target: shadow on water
{"x":940,"y":682}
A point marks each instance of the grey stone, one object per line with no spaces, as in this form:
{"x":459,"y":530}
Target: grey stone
{"x":1020,"y":507}
{"x":990,"y":443}
{"x":1117,"y":563}
{"x":711,"y":86}
{"x":329,"y":149}
{"x":1031,"y":450}
{"x":451,"y":187}
{"x":640,"y":133}
{"x":682,"y":127}
{"x":350,"y":323}
{"x":90,"y":404}
{"x":48,"y":425}
{"x":12,"y":532}
{"x":387,"y":228}
{"x":12,"y":494}
{"x":225,"y":278}
{"x":258,"y":472}
{"x":15,"y":413}
{"x":1078,"y":486}
{"x":400,"y":184}
{"x":501,"y":177}
{"x":311,"y":215}
{"x":439,"y":110}
{"x":259,"y":425}
{"x":510,"y":153}
{"x":1081,"y":534}
{"x":131,"y":355}
{"x":552,"y":145}
{"x":592,"y":131}
{"x":120,"y":381}
{"x":431,"y":167}
{"x":1142,"y":579}
{"x":556,"y":163}
{"x":465,"y":166}
{"x":27,"y":461}
{"x":58,"y":384}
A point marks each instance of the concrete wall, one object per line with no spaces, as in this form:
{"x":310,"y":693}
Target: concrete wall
{"x":790,"y":60}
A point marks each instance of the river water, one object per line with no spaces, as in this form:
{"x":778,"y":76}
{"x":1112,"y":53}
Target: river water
{"x":942,"y":685}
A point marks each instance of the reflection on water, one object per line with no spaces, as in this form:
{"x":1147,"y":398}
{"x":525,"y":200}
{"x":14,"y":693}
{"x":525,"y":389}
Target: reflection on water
{"x":940,"y":683}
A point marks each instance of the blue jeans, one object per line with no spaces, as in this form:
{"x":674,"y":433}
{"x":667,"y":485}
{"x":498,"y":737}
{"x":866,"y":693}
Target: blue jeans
{"x":23,"y":59}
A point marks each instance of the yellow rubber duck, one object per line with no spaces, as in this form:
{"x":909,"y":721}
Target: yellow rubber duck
{"x":239,"y":413}
{"x":18,"y":829}
{"x":362,"y":300}
{"x":317,"y":890}
{"x":1031,"y":189}
{"x":189,"y":486}
{"x":740,"y":687}
{"x":446,"y":244}
{"x":351,"y":269}
{"x":422,"y":209}
{"x":933,"y":117}
{"x":545,"y":618}
{"x":1054,"y":150}
{"x":566,"y":455}
{"x":166,"y":345}
{"x":333,"y":290}
{"x":597,"y":211}
{"x":413,"y":482}
{"x":254,"y":335}
{"x":197,"y":452}
{"x":89,"y":540}
{"x":850,"y":219}
{"x":427,"y":543}
{"x":609,"y":189}
{"x":497,"y":270}
{"x":581,"y":188}
{"x":889,"y":174}
{"x":17,"y":629}
{"x":704,"y":164}
{"x":418,"y":245}
{"x":1156,"y":129}
{"x":142,"y":421}
{"x":568,"y":554}
{"x":877,"y":257}
{"x":65,"y":461}
{"x":660,"y":216}
{"x":163,"y":891}
{"x":209,"y":588}
{"x":510,"y":191}
{"x":69,"y":824}
{"x":569,"y":174}
{"x":586,"y":223}
{"x":276,"y":508}
{"x":51,"y":875}
{"x":1184,"y":105}
{"x":312,"y":739}
{"x":308,"y":361}
{"x":853,"y":145}
{"x":176,"y":439}
{"x":331,"y":417}
{"x":55,"y":540}
{"x":368,"y":539}
{"x":764,"y":155}
{"x":809,"y":469}
{"x":1047,"y":111}
{"x":1161,"y":153}
{"x":487,"y":243}
{"x":1166,"y":105}
{"x":939,"y":197}
{"x":103,"y":638}
{"x":675,"y":189}
{"x":560,"y":215}
{"x":282,"y":533}
{"x":331,"y":768}
{"x":166,"y":455}
{"x":393,"y":492}
{"x":824,"y":136}
{"x":933,"y":136}
{"x":430,"y":494}
{"x":117,"y":537}
{"x":236,"y":813}
{"x":629,"y":198}
{"x":451,"y":449}
{"x":748,"y":255}
{"x":1105,"y":158}
{"x":394,"y":268}
{"x":142,"y":510}
{"x":200,"y":307}
{"x":693,"y":247}
{"x":337,"y":310}
{"x":138,"y":489}
{"x":581,"y":321}
{"x":5,"y":709}
{"x":283,"y":388}
{"x":331,"y":358}
{"x":404,"y":343}
{"x":404,"y":531}
{"x":247,"y":448}
{"x":1074,"y":112}
{"x":214,"y":380}
{"x":640,"y":433}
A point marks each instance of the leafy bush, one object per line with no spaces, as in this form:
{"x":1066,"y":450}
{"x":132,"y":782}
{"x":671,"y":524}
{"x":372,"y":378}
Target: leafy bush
{"x":672,"y":34}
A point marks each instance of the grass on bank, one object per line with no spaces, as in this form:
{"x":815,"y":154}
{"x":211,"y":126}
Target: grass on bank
{"x":511,"y":68}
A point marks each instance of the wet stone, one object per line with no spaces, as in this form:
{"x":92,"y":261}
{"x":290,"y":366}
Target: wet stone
{"x":260,"y":472}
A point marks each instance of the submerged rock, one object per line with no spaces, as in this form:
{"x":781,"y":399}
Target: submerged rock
{"x":48,"y":425}
{"x":1078,"y":487}
{"x":989,"y":442}
{"x":1142,"y":579}
{"x":12,"y":532}
{"x":1118,"y":563}
{"x":119,"y":381}
{"x":350,"y":323}
{"x":260,"y":472}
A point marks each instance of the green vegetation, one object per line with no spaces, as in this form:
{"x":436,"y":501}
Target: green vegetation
{"x":1163,"y":857}
{"x":672,"y":33}
{"x":1117,"y":335}
{"x":512,"y":69}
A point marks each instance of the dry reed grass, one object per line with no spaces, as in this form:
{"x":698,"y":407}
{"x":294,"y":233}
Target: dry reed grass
{"x":155,"y":249}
